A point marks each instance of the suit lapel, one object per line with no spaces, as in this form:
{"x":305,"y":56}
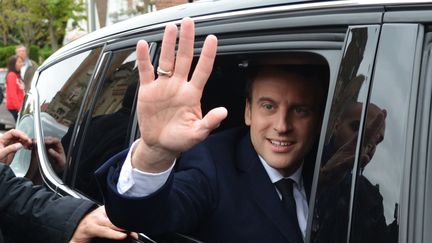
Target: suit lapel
{"x":262,"y":191}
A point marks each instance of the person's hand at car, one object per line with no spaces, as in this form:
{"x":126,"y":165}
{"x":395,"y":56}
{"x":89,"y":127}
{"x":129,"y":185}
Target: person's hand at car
{"x":56,"y":152}
{"x":11,"y":142}
{"x":169,"y":108}
{"x":96,"y":224}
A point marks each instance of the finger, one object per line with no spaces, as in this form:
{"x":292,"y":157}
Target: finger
{"x":57,"y":156}
{"x":9,"y":150}
{"x":205,"y":63}
{"x":133,"y":235}
{"x":104,"y":220}
{"x":145,"y":66}
{"x":13,"y":135}
{"x":185,"y":50}
{"x":167,"y":55}
{"x":105,"y":232}
{"x":213,"y":119}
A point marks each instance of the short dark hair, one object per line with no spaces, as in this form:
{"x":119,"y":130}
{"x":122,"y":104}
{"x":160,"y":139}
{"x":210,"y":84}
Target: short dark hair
{"x":319,"y":75}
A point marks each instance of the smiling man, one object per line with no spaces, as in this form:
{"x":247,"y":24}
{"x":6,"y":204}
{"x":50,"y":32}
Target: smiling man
{"x":241,"y":185}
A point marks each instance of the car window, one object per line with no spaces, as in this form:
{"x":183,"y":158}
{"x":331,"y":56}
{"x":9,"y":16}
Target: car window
{"x":332,"y":203}
{"x":107,"y":124}
{"x":379,"y":181}
{"x":61,"y":88}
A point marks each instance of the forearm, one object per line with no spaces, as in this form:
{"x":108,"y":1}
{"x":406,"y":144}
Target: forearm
{"x":43,"y":216}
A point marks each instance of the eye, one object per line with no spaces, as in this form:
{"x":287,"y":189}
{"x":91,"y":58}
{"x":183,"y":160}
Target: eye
{"x":267,"y":106}
{"x":301,"y":110}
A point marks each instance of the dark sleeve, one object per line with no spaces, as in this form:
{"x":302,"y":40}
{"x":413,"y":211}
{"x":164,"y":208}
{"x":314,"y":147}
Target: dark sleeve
{"x":30,"y":213}
{"x":184,"y":200}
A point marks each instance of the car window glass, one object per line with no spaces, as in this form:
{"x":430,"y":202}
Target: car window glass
{"x":379,"y":181}
{"x":107,"y":124}
{"x":331,"y":215}
{"x":61,"y":89}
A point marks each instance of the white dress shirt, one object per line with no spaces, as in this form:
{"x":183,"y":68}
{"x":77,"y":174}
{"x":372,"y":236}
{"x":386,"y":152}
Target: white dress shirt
{"x":298,"y":191}
{"x":135,"y":183}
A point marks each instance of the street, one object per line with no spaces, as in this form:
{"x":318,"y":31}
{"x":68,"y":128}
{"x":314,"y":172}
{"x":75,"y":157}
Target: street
{"x":6,"y":120}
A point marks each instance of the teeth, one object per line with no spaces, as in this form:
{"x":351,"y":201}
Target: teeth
{"x":279,"y":143}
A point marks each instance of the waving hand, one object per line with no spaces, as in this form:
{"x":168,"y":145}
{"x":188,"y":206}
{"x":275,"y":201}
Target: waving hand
{"x":169,"y":108}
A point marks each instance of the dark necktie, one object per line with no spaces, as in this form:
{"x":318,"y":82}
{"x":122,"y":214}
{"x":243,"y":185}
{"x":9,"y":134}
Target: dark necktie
{"x":285,"y":187}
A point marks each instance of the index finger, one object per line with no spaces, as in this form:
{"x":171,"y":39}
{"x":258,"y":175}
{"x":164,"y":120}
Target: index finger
{"x":16,"y":135}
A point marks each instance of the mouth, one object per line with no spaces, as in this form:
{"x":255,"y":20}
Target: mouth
{"x":280,"y":146}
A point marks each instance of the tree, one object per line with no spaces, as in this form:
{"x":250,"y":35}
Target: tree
{"x":27,"y":21}
{"x":56,"y":13}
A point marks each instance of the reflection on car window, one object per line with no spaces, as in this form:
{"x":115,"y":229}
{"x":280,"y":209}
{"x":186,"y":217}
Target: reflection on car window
{"x":340,"y":157}
{"x":61,"y":90}
{"x":384,"y":172}
{"x":106,"y":129}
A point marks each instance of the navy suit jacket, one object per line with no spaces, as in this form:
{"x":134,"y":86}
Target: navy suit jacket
{"x":218,"y":192}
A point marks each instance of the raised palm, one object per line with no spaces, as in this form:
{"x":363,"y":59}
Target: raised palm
{"x":169,"y":108}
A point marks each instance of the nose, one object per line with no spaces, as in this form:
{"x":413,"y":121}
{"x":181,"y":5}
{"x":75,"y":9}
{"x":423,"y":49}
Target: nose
{"x":283,"y":123}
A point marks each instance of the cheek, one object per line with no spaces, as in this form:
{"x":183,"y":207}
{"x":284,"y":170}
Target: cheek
{"x":308,"y":129}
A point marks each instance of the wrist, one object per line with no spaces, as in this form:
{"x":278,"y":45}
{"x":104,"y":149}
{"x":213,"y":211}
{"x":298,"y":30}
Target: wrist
{"x":151,"y":159}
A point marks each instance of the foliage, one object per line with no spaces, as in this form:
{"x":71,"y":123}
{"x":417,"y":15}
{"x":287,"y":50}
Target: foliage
{"x":5,"y":53}
{"x":34,"y":53}
{"x":37,"y":22}
{"x":44,"y":53}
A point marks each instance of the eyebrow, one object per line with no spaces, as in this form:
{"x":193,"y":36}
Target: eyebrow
{"x":261,"y":99}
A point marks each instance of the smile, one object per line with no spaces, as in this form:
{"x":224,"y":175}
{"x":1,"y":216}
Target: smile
{"x":280,"y":143}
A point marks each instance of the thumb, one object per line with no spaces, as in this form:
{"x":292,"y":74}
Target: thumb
{"x":214,"y":118}
{"x":10,"y":149}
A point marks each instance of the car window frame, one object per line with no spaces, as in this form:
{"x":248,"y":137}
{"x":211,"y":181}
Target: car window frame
{"x":48,"y":175}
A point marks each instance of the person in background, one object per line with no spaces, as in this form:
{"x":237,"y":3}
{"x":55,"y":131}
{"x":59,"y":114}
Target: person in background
{"x":30,"y":213}
{"x":14,"y":86}
{"x":29,"y":66}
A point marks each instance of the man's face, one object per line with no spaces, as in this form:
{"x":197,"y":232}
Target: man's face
{"x":21,"y":52}
{"x":347,"y":127}
{"x":284,"y":117}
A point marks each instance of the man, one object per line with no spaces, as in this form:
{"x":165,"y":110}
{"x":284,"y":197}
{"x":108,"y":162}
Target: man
{"x":221,"y":190}
{"x":31,"y":213}
{"x":29,"y":67}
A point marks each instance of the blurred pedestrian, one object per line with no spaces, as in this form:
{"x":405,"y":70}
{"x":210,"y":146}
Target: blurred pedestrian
{"x":14,"y":86}
{"x":29,"y":66}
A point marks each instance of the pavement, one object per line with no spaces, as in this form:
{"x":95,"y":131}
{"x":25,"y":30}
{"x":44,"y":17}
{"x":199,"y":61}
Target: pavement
{"x":6,"y":119}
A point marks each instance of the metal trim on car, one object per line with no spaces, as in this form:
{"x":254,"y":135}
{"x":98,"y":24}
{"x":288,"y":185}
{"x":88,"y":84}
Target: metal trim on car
{"x":47,"y":172}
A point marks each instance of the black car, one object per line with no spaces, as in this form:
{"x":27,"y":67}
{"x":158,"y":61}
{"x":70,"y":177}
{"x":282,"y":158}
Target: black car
{"x":378,"y":54}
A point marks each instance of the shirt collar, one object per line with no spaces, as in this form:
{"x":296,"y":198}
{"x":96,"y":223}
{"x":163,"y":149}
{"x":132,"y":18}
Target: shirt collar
{"x":276,"y":175}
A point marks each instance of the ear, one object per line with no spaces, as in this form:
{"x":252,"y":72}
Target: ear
{"x":247,"y":114}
